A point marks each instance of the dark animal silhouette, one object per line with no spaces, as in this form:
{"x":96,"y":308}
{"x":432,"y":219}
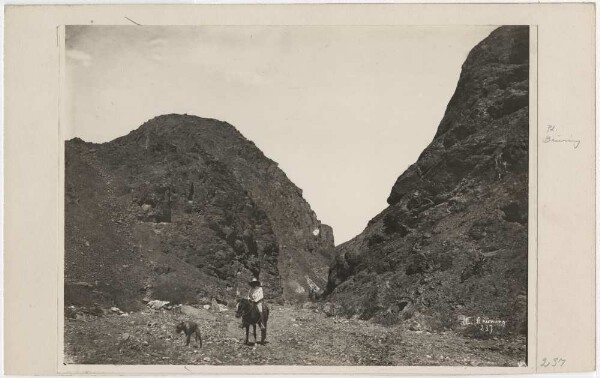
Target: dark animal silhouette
{"x":189,"y":328}
{"x":250,"y":315}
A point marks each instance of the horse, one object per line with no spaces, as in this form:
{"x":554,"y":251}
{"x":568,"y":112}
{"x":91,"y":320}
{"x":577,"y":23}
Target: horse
{"x":250,"y":315}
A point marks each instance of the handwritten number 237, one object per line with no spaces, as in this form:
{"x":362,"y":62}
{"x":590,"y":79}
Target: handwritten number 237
{"x":554,"y":362}
{"x":486,"y":328}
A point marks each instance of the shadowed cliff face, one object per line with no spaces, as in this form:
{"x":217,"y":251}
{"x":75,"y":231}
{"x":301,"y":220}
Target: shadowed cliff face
{"x":185,"y":209}
{"x":454,"y":239}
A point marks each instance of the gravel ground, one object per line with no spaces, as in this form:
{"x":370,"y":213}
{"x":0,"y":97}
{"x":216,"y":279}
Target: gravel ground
{"x":296,"y":337}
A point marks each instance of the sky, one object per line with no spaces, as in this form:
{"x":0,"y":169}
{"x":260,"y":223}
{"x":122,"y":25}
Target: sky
{"x":344,"y":110}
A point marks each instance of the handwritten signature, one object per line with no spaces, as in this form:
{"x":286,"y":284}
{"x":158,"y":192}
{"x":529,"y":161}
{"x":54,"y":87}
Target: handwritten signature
{"x":552,"y":137}
{"x":484,"y":324}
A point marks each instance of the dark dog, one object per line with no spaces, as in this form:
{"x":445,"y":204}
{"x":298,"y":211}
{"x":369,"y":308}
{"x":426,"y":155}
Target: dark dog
{"x":189,"y":328}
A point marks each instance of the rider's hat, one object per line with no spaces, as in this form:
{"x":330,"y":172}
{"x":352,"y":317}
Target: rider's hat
{"x":254,"y":282}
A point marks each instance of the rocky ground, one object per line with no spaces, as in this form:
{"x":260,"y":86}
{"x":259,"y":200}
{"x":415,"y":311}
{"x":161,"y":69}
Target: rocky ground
{"x":297,"y":336}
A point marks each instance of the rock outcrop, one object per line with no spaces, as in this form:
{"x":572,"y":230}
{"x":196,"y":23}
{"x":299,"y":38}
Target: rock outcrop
{"x":453,"y":241}
{"x":185,"y":209}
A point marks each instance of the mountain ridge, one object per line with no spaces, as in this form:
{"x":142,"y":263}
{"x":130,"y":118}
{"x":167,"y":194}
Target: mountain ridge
{"x":198,"y":183}
{"x":453,"y":240}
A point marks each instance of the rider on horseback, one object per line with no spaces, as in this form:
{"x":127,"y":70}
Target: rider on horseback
{"x":256,"y":296}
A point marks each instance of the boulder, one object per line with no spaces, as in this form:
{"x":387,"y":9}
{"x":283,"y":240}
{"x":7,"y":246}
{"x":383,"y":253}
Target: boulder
{"x":214,"y":305}
{"x":221,"y":307}
{"x":328,"y":309}
{"x":157,"y":304}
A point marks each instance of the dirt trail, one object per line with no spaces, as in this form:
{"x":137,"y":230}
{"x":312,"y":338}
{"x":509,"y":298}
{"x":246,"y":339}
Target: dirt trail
{"x":296,"y":337}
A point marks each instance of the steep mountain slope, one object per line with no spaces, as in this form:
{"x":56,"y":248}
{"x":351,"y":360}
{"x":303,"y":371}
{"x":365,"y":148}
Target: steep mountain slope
{"x":185,"y":209}
{"x":453,"y":240}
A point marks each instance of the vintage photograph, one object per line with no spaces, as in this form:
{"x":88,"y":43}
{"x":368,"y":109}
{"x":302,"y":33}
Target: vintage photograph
{"x":296,"y":195}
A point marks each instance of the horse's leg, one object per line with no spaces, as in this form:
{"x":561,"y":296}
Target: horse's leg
{"x":254,"y":329}
{"x":263,"y":325}
{"x":187,"y":339}
{"x":247,"y":332}
{"x":262,"y":321}
{"x":263,"y":335}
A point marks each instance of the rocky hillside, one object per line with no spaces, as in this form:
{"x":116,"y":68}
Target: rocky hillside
{"x":185,"y":209}
{"x":453,"y":241}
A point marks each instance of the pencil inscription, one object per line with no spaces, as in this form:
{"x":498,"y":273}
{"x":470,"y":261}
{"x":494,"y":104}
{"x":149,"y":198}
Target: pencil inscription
{"x":552,"y":362}
{"x":552,"y":136}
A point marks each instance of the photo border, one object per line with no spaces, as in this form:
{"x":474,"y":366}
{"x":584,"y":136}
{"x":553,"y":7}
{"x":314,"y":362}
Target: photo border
{"x":566,"y":55}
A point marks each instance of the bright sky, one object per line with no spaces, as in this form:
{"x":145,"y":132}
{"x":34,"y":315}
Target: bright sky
{"x":343,"y":110}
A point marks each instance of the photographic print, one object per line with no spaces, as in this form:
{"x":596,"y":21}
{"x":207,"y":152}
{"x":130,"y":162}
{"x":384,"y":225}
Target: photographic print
{"x":296,"y":195}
